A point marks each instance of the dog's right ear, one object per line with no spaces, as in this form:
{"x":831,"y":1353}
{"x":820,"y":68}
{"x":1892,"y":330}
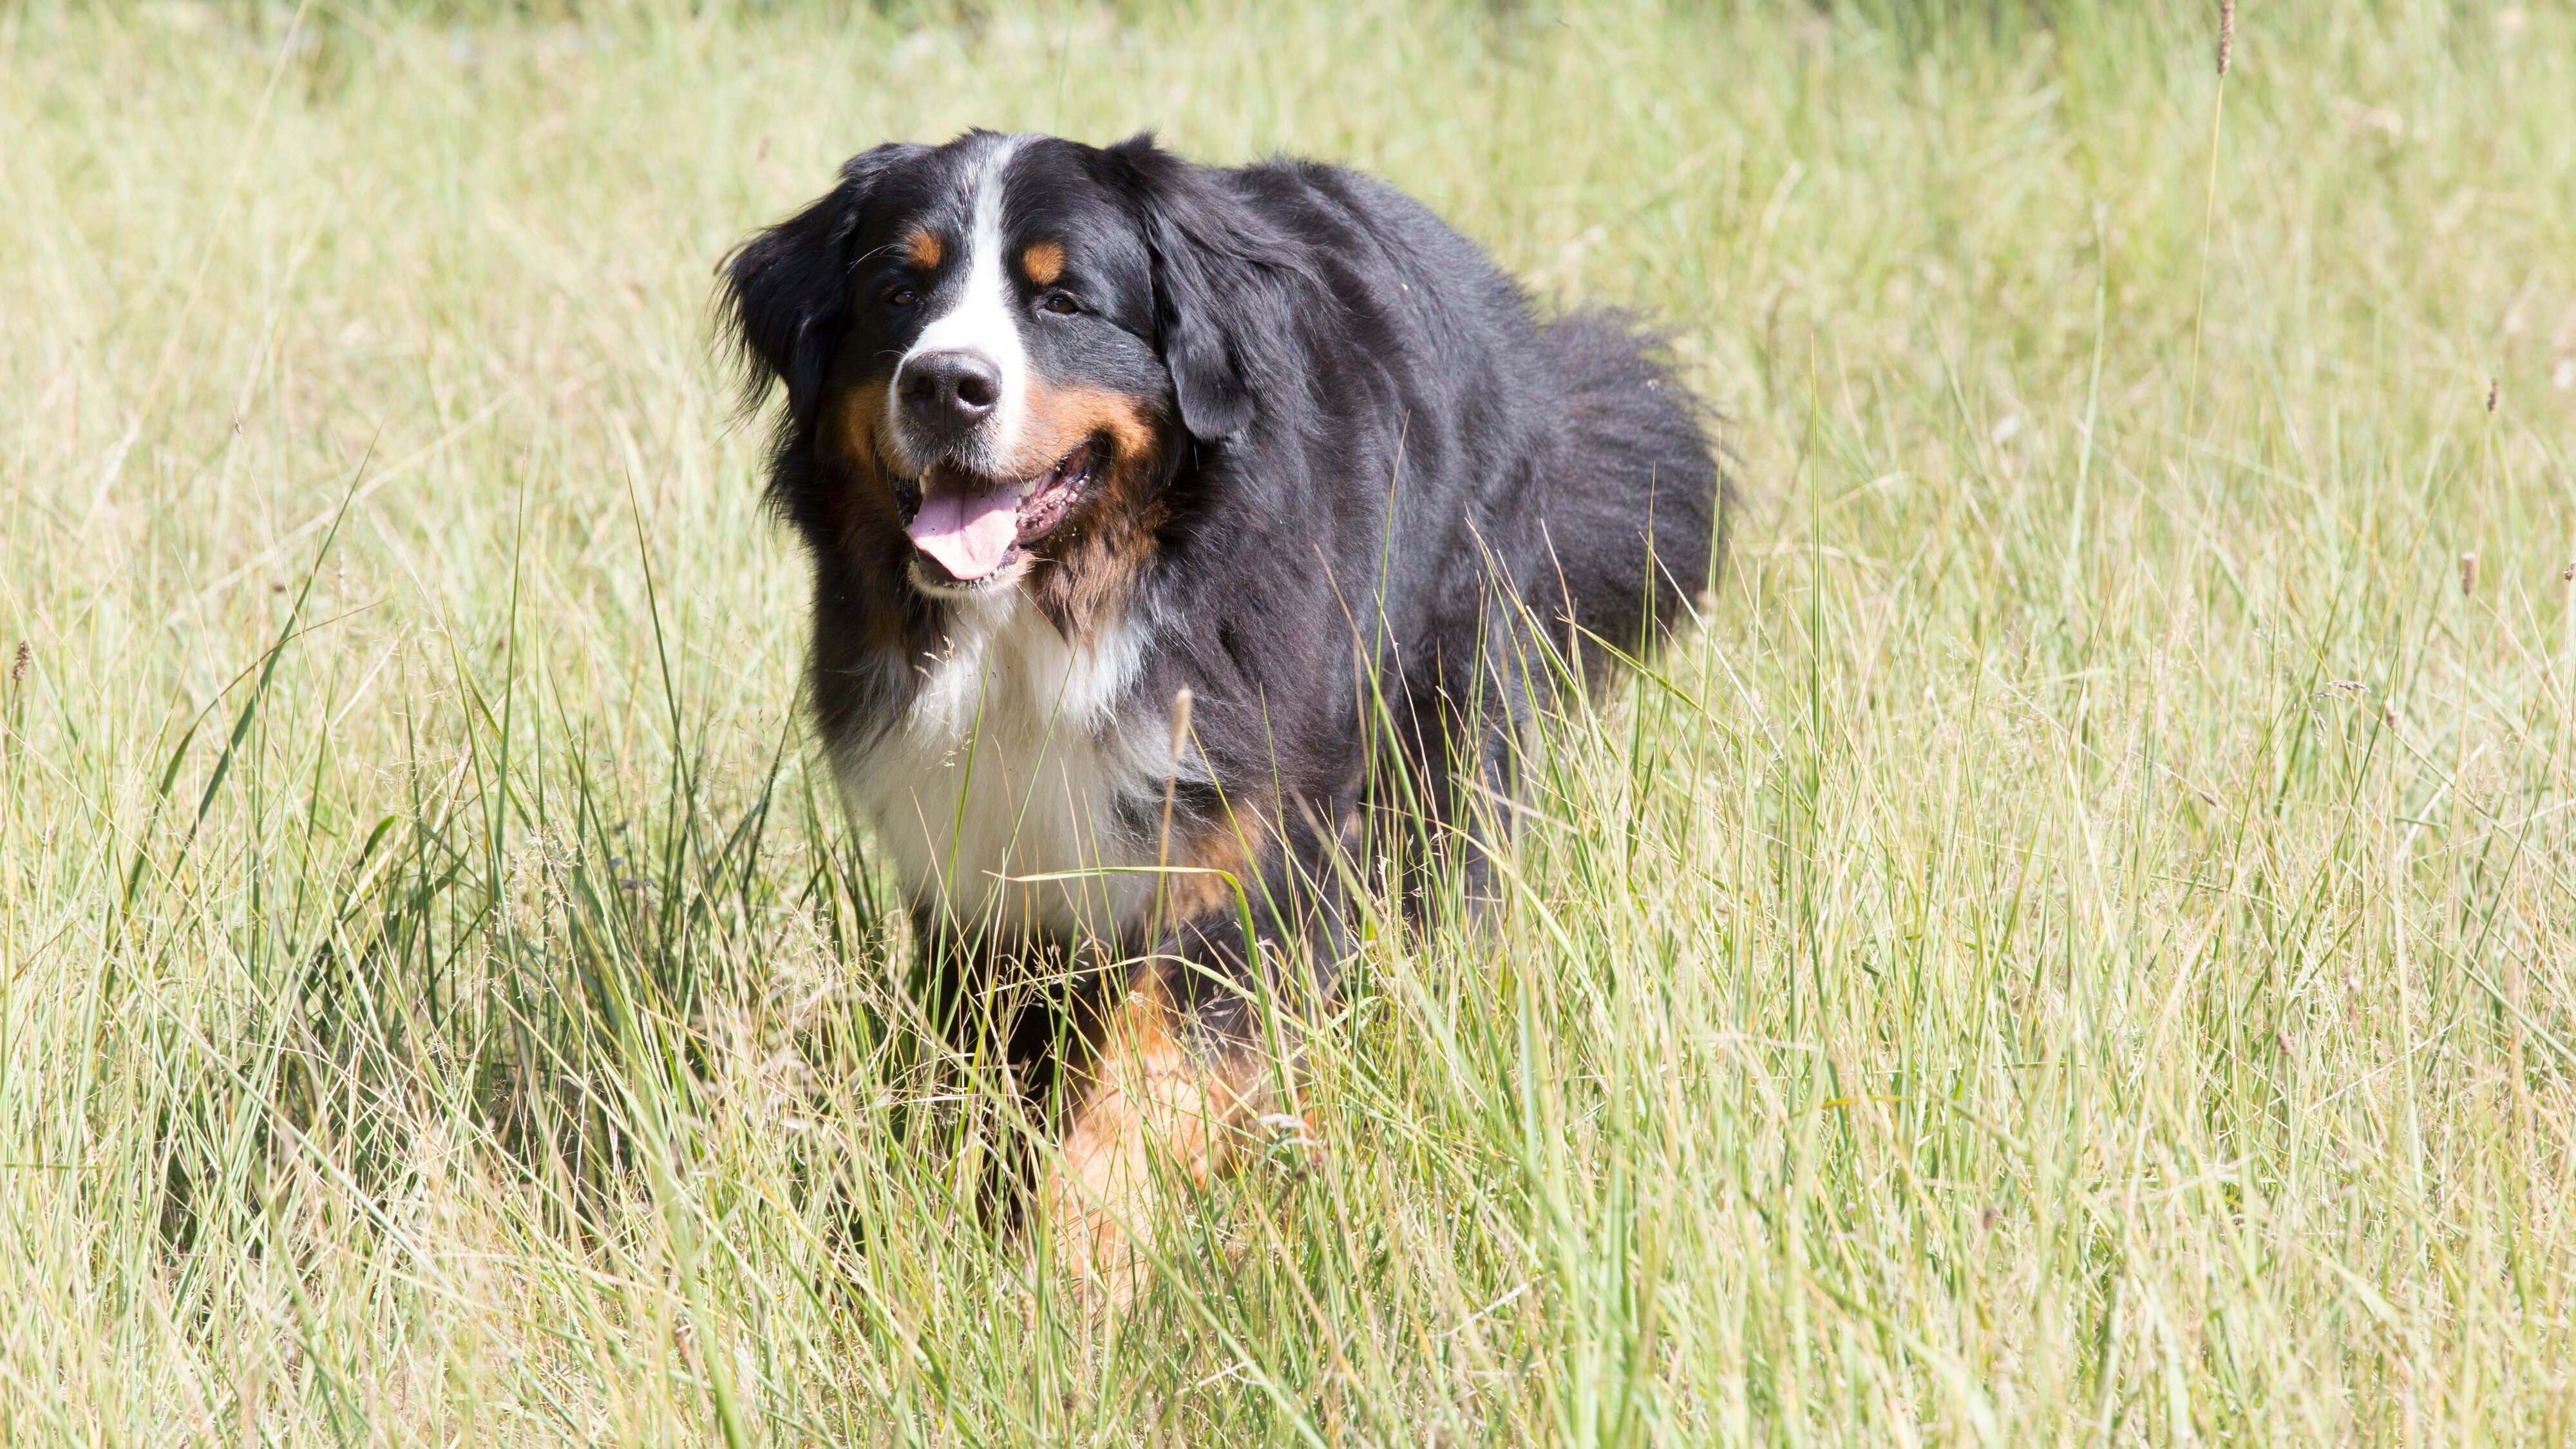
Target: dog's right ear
{"x":786,"y":291}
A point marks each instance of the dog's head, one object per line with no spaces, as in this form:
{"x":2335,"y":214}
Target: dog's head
{"x":1001,"y":345}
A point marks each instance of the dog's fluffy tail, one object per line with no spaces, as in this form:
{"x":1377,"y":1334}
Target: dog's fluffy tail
{"x":1636,"y":516}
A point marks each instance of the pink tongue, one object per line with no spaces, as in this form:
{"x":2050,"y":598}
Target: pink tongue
{"x":969,"y":533}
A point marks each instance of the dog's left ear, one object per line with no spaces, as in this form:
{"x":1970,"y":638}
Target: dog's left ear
{"x":786,"y":292}
{"x":1225,"y":288}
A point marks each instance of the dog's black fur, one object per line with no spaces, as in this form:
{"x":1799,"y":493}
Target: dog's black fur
{"x":1357,"y":499}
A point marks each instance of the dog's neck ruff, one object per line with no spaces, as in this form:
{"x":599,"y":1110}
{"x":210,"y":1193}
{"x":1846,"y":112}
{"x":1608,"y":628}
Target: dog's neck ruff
{"x":1009,"y":757}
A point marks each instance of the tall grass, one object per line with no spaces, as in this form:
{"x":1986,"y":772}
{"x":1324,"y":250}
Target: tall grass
{"x":2076,"y":948}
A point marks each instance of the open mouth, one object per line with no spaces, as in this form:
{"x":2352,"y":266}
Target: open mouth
{"x":974,"y":526}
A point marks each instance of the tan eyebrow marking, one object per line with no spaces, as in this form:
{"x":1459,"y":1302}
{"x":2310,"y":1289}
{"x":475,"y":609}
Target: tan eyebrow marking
{"x":921,"y":247}
{"x":1044,"y":262}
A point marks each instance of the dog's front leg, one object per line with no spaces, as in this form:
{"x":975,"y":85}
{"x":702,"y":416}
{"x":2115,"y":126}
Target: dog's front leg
{"x":1163,"y":1107}
{"x":1184,"y":1066}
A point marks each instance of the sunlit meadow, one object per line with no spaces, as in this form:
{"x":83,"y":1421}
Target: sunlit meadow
{"x":2077,"y":945}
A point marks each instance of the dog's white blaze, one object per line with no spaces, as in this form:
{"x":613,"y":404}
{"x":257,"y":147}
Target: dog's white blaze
{"x":986,"y":315}
{"x":1010,"y":760}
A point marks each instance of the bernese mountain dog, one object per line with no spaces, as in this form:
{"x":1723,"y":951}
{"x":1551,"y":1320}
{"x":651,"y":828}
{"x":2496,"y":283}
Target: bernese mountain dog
{"x":1187,"y":544}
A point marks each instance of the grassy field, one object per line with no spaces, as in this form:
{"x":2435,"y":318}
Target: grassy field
{"x":2079,"y":947}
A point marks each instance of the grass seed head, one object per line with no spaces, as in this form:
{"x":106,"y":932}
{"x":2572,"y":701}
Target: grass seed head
{"x":2495,"y":394}
{"x":18,"y":663}
{"x":2468,"y":573}
{"x":2226,"y":36}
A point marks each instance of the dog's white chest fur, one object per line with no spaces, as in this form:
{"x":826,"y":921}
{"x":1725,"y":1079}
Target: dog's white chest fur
{"x":1010,"y":760}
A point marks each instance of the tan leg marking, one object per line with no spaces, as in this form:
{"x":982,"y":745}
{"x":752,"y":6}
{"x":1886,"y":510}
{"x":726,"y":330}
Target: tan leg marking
{"x":1216,"y":860}
{"x":1148,"y":1109}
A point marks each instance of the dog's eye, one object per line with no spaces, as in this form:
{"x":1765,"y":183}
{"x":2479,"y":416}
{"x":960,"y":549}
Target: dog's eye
{"x":1060,"y":304}
{"x":902,"y":297}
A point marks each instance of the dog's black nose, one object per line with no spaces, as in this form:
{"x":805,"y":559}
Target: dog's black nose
{"x":951,"y":388}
